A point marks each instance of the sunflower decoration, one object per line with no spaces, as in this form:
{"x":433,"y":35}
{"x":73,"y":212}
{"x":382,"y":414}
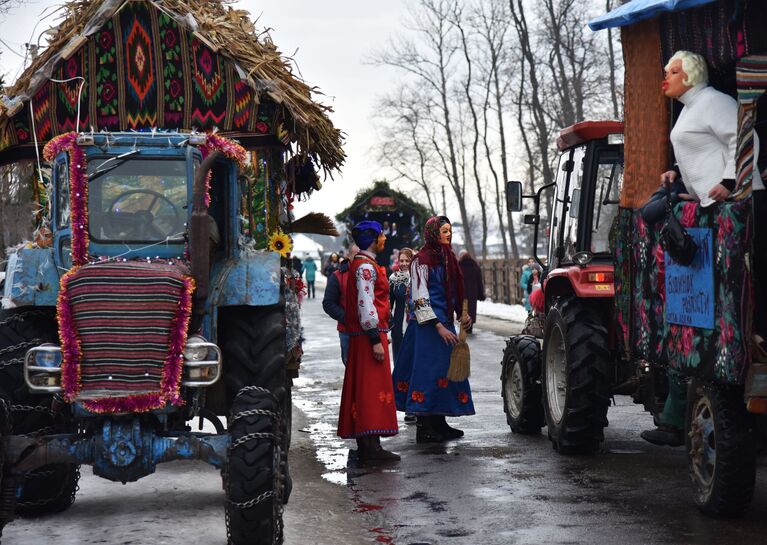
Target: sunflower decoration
{"x":280,"y":242}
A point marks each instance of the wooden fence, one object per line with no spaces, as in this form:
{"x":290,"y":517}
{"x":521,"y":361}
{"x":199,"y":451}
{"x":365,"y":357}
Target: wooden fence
{"x":501,"y":277}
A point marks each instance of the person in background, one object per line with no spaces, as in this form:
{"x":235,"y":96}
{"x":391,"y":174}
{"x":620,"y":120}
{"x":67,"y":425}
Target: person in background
{"x":331,"y":266}
{"x":394,"y":260}
{"x":334,"y":301}
{"x":399,"y":289}
{"x":420,"y":377}
{"x":473,"y":285}
{"x":534,"y":282}
{"x":399,"y":296}
{"x":310,"y":267}
{"x":297,"y":265}
{"x":527,"y":272}
{"x":367,"y":410}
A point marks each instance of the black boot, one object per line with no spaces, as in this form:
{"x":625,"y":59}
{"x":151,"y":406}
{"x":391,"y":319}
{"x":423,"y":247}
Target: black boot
{"x":374,"y":453}
{"x":427,"y":432}
{"x":664,"y":435}
{"x":445,"y":429}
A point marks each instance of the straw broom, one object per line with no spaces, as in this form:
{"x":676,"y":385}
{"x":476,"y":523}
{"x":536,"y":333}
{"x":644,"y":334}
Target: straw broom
{"x":460,"y":358}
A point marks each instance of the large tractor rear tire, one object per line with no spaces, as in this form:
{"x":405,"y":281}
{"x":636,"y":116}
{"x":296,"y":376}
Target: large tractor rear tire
{"x":254,"y":351}
{"x":51,"y":488}
{"x":254,"y":474}
{"x":576,"y":376}
{"x":721,"y":450}
{"x":521,"y":385}
{"x":253,"y":345}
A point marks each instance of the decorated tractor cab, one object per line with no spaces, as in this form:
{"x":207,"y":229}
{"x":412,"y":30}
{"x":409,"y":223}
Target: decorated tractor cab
{"x":154,"y":290}
{"x":673,"y":326}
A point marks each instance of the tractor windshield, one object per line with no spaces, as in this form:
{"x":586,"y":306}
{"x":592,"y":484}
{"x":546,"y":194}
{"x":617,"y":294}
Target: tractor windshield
{"x":609,"y":177}
{"x":137,"y":199}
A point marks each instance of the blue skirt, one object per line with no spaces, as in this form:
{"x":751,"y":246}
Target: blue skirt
{"x":420,"y":379}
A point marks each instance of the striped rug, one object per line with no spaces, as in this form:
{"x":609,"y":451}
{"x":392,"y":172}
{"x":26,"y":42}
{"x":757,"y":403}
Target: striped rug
{"x":123,"y":327}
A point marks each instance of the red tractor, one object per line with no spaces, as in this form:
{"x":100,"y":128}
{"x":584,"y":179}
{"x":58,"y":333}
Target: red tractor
{"x":566,"y":383}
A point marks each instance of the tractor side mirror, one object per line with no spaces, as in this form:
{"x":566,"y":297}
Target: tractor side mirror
{"x":514,"y":196}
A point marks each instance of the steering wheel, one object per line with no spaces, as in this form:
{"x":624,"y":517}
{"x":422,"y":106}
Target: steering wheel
{"x":142,"y":224}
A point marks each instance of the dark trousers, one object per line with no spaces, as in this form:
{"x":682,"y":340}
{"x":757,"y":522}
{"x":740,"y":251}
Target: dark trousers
{"x":310,"y":289}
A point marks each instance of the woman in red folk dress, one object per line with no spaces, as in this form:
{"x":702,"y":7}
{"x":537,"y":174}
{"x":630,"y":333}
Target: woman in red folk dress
{"x":367,"y":401}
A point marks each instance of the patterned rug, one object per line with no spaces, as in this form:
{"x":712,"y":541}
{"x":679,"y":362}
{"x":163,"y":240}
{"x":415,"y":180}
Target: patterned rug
{"x":123,"y":327}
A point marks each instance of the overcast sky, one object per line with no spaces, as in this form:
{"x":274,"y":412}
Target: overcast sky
{"x":330,"y":39}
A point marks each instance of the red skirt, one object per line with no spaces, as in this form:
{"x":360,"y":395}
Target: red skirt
{"x":367,"y":400}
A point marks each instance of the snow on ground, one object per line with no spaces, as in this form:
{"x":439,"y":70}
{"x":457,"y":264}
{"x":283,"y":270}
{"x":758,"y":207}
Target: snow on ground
{"x":515,"y":313}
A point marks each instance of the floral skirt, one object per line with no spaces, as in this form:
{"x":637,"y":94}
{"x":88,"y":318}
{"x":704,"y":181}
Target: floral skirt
{"x":420,"y":379}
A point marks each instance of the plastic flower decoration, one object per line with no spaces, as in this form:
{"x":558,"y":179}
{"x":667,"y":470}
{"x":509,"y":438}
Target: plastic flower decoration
{"x":281,"y":243}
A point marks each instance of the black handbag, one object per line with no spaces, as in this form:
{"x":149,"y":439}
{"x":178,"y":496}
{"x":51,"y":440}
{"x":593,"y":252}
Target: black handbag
{"x":675,"y":239}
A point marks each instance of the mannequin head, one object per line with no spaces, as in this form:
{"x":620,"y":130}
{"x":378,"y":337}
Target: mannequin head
{"x":683,"y":71}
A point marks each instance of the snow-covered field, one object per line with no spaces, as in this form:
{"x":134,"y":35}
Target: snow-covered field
{"x":515,"y":313}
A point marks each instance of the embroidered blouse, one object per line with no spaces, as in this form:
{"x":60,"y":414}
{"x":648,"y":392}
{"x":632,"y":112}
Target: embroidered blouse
{"x":365,"y":277}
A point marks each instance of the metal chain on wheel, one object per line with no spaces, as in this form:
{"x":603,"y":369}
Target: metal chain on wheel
{"x":20,"y":317}
{"x":276,"y":439}
{"x":26,"y":344}
{"x":55,"y":497}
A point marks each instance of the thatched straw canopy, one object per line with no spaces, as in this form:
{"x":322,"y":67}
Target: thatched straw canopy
{"x":246,"y":87}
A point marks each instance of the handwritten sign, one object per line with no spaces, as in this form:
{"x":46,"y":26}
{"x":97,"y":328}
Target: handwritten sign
{"x":690,"y":290}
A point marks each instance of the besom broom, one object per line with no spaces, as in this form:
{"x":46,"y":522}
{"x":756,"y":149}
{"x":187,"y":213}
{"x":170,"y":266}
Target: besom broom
{"x":460,"y":358}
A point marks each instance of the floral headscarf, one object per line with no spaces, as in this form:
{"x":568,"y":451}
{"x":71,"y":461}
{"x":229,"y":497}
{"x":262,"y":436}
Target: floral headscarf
{"x":434,"y":253}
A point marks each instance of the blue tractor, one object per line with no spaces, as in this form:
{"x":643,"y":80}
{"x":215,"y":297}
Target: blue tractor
{"x":169,"y":318}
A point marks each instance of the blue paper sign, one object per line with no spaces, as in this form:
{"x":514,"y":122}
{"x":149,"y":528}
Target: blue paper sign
{"x":690,"y":290}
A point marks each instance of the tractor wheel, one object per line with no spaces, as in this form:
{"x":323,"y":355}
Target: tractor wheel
{"x":253,"y":476}
{"x":721,"y":450}
{"x":521,"y":385}
{"x":7,"y":487}
{"x":253,"y":346}
{"x":254,"y":352}
{"x":50,"y":488}
{"x":576,"y":376}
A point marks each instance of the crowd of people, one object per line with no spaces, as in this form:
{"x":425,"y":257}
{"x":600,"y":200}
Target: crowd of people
{"x":419,"y":303}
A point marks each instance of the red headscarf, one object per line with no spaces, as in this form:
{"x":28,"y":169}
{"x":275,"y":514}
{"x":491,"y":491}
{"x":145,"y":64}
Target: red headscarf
{"x":433,"y":254}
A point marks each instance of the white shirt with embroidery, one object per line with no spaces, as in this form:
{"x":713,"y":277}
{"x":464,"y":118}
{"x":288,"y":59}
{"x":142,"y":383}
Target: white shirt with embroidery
{"x":419,"y":286}
{"x":365,"y":277}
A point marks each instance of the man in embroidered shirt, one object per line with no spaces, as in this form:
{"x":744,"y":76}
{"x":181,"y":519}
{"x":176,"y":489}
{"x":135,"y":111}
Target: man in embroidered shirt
{"x":367,"y":402}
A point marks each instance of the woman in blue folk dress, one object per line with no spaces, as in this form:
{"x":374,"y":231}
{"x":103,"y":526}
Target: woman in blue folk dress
{"x":420,"y":375}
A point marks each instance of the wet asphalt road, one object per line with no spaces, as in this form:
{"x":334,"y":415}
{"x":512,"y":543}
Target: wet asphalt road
{"x":495,"y":487}
{"x":491,"y":487}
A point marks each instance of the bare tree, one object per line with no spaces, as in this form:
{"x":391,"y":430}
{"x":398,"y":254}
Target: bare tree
{"x":468,"y":82}
{"x":431,"y":62}
{"x":405,"y":148}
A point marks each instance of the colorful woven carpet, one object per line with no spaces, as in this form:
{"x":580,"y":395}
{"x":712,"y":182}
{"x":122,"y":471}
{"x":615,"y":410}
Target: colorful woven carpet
{"x":123,"y":327}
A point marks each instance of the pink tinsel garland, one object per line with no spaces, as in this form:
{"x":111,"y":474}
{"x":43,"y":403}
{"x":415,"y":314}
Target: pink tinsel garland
{"x":231,"y":149}
{"x":170,"y":385}
{"x":78,"y":192}
{"x":70,"y":345}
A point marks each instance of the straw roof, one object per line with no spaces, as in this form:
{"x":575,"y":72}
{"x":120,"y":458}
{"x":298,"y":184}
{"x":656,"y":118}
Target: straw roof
{"x":229,"y":31}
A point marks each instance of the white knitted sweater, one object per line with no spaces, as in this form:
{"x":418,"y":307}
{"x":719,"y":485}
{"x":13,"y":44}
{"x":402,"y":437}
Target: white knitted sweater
{"x":705,"y":140}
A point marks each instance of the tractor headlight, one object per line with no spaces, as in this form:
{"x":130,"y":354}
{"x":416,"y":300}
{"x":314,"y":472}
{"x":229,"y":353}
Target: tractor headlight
{"x":42,"y":368}
{"x":196,"y":348}
{"x":48,"y":358}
